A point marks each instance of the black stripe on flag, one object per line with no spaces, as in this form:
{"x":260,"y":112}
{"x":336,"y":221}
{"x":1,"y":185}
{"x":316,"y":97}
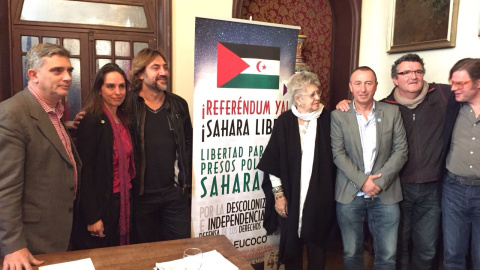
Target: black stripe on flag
{"x":253,"y":51}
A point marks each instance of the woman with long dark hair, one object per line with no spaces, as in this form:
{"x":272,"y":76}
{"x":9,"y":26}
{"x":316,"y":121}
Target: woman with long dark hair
{"x":105,"y":147}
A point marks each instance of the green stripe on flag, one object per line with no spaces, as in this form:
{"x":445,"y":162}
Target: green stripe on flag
{"x":253,"y":81}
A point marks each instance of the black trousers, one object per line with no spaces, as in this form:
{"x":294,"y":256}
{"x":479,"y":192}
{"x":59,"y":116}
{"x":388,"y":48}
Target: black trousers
{"x":316,"y":257}
{"x":160,"y":216}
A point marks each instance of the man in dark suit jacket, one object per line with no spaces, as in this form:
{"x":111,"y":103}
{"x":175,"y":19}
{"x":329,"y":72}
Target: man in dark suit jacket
{"x":39,"y":172}
{"x":369,"y":148}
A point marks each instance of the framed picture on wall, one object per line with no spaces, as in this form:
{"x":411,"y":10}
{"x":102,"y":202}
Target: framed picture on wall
{"x":423,"y":25}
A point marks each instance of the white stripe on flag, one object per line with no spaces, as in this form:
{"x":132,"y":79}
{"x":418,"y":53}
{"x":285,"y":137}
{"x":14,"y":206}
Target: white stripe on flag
{"x":266,"y":67}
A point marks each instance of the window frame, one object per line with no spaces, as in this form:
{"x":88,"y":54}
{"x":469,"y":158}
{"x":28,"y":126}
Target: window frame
{"x":148,"y":7}
{"x":159,"y":27}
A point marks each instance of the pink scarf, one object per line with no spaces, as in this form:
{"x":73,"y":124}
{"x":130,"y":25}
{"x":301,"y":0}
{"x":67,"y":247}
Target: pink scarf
{"x":123,"y":173}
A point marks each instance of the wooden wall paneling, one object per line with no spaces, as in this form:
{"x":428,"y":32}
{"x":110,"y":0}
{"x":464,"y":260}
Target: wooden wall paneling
{"x":237,"y":9}
{"x":345,"y":47}
{"x":5,"y":45}
{"x":164,"y":40}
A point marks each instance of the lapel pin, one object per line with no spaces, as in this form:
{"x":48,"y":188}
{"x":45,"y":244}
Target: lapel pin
{"x":103,"y":121}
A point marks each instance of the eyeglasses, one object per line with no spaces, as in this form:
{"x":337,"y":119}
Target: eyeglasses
{"x":408,"y":72}
{"x":460,"y":84}
{"x":312,"y":96}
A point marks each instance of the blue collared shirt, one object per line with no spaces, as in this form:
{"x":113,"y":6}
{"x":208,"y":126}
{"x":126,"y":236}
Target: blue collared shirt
{"x":368,"y":137}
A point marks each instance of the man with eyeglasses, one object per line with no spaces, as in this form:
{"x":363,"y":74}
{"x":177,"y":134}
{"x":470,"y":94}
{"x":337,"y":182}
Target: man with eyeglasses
{"x":461,"y":182}
{"x":422,"y":106}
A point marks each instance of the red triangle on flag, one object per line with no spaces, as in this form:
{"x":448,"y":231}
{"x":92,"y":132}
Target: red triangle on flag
{"x":229,"y":65}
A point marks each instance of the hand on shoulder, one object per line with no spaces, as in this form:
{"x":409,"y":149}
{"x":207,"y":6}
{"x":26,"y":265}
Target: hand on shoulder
{"x":77,"y":119}
{"x":343,"y":105}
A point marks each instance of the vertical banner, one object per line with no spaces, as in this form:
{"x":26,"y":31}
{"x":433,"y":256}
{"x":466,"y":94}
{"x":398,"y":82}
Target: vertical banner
{"x":240,"y":71}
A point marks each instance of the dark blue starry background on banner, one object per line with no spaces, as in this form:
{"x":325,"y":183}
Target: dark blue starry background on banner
{"x":210,"y":31}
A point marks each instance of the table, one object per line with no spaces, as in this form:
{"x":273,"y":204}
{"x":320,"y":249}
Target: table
{"x":144,"y":256}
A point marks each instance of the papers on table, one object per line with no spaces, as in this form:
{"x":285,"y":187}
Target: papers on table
{"x":83,"y":264}
{"x":212,"y":260}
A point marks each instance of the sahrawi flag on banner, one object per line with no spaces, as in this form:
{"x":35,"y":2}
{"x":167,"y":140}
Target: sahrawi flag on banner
{"x":247,"y":66}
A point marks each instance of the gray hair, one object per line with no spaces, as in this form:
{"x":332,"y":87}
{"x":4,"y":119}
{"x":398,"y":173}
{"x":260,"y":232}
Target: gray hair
{"x":34,"y":58}
{"x":296,"y":84}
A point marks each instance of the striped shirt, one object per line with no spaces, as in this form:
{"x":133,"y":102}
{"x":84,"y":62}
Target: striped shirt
{"x":55,"y":115}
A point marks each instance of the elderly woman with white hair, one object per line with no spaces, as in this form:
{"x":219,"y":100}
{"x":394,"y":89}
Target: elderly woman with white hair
{"x":299,"y":176}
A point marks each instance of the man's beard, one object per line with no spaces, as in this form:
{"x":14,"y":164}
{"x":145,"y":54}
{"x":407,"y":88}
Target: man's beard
{"x":159,"y":88}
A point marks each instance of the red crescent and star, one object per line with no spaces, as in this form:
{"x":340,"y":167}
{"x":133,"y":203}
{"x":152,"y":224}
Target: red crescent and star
{"x":263,"y":67}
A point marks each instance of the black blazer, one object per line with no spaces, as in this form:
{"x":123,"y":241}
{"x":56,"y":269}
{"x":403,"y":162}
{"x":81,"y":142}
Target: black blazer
{"x":453,"y":108}
{"x":95,"y":147}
